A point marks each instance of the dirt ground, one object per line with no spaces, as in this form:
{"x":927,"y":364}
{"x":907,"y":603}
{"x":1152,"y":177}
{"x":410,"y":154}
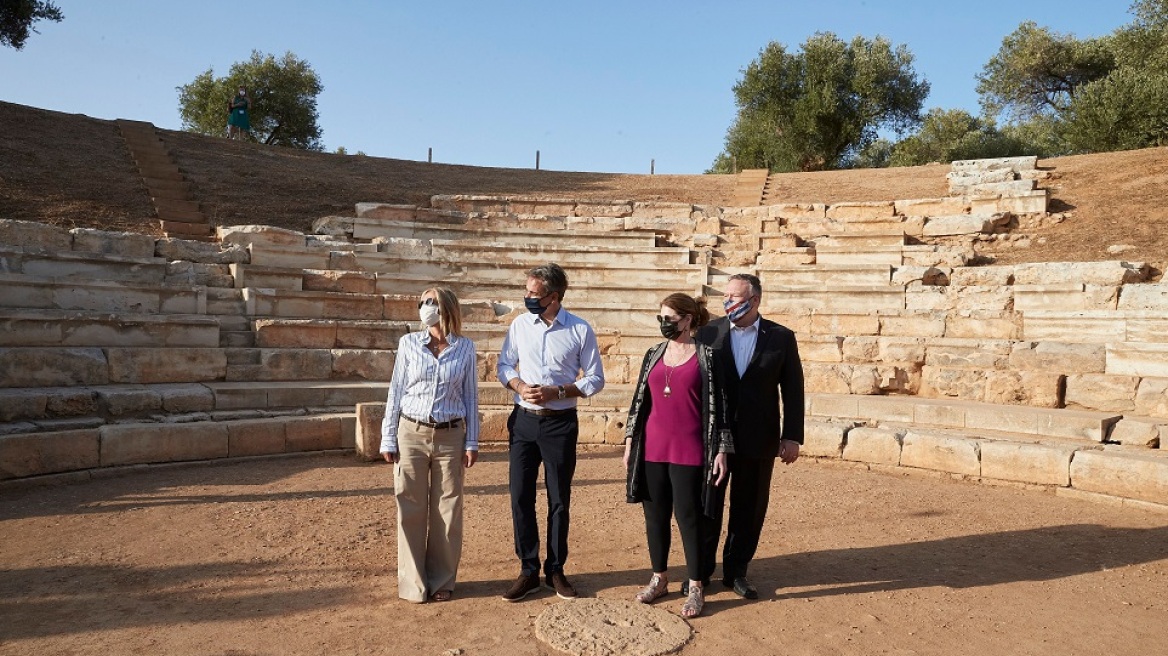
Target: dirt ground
{"x":296,"y":556}
{"x":75,"y":171}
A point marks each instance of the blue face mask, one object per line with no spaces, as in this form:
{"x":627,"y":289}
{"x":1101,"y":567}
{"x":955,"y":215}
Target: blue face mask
{"x":533,"y":305}
{"x":734,"y":312}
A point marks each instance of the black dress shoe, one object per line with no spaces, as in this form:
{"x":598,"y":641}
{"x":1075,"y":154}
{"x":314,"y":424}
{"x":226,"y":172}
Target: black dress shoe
{"x":742,"y":587}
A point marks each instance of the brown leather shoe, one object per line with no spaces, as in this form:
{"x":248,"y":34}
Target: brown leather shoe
{"x":523,"y":586}
{"x":558,"y":582}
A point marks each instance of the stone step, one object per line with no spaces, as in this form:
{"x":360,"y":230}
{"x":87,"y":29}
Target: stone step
{"x":129,"y":444}
{"x":848,"y":255}
{"x":367,"y":229}
{"x":842,"y":298}
{"x":1096,"y":326}
{"x":84,"y":266}
{"x":968,"y":415}
{"x":562,"y":253}
{"x":825,"y":276}
{"x":167,"y":214}
{"x":68,"y":328}
{"x":161,"y":184}
{"x":166,"y":174}
{"x":100,"y":296}
{"x":177,"y":207}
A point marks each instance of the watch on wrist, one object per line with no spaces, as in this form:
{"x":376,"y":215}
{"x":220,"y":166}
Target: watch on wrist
{"x":563,"y":392}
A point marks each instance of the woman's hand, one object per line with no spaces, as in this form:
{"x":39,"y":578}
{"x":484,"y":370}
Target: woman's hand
{"x":628,"y":452}
{"x":390,"y":456}
{"x":471,"y":458}
{"x":720,"y":470}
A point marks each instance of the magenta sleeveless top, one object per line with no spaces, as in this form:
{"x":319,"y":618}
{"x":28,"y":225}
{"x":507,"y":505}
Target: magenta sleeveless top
{"x":673,"y":433}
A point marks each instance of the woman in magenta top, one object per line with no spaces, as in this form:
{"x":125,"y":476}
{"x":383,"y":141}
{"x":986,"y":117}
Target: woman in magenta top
{"x":676,"y":443}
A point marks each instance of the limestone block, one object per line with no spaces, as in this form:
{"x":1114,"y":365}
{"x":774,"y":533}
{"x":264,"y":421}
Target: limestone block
{"x":969,"y":178}
{"x":186,"y":398}
{"x":19,"y":404}
{"x":956,"y":382}
{"x":1033,"y":202}
{"x":873,"y":445}
{"x":914,"y":323}
{"x":1139,"y":431}
{"x":1121,"y":473}
{"x":1152,"y":397}
{"x":798,"y":211}
{"x":255,"y":437}
{"x":947,"y":413}
{"x":199,"y":251}
{"x":825,"y":439}
{"x":1007,"y":188}
{"x":899,"y":378}
{"x":956,"y":455}
{"x":1108,"y":273}
{"x":349,"y":282}
{"x":658,"y":209}
{"x":922,"y":275}
{"x":123,"y":244}
{"x":70,"y":401}
{"x":368,"y":437}
{"x":362,"y":364}
{"x":245,"y":235}
{"x":860,"y":349}
{"x":963,"y":224}
{"x":1108,"y":393}
{"x":926,"y":298}
{"x":595,"y":209}
{"x":289,"y":333}
{"x":1040,"y":464}
{"x":493,"y":424}
{"x":384,"y":211}
{"x":938,"y":255}
{"x":133,"y":444}
{"x":1146,"y":326}
{"x":369,"y":334}
{"x":614,"y":431}
{"x":1016,"y":387}
{"x":431,"y":215}
{"x":284,"y":364}
{"x":864,"y":379}
{"x":895,"y":409}
{"x":37,"y":454}
{"x":334,"y":226}
{"x":1015,"y":164}
{"x":821,"y":349}
{"x":981,"y":354}
{"x":44,"y":367}
{"x":593,"y":427}
{"x":312,"y":433}
{"x":196,"y":273}
{"x":977,"y":298}
{"x":932,"y":206}
{"x":404,"y":246}
{"x":827,"y":378}
{"x":165,"y":365}
{"x":1126,"y":358}
{"x":1144,"y":297}
{"x":1087,"y":326}
{"x":32,"y":236}
{"x":128,"y":399}
{"x":864,"y":211}
{"x":1058,"y":357}
{"x":832,"y":405}
{"x":982,"y":325}
{"x":989,"y":276}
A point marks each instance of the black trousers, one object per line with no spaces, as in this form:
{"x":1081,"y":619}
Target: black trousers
{"x":675,"y":491}
{"x":550,"y":441}
{"x":750,"y":494}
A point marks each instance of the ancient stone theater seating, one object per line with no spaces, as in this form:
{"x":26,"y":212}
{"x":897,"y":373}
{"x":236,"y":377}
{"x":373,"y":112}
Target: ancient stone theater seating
{"x":120,"y":349}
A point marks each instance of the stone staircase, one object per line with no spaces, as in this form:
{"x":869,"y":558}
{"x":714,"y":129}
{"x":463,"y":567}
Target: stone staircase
{"x":119,"y":350}
{"x":179,"y":214}
{"x":749,"y":188}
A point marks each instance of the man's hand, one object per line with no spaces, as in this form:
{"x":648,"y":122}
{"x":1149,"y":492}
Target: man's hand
{"x":788,"y":451}
{"x":628,"y":452}
{"x":534,"y":393}
{"x":471,"y":458}
{"x":720,"y":470}
{"x":390,"y":456}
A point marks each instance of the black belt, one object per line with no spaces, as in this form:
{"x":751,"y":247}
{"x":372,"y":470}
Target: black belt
{"x":545,"y":412}
{"x":438,"y":425}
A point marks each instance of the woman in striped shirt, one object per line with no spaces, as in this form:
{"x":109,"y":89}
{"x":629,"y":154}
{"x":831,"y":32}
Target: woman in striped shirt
{"x":430,"y":433}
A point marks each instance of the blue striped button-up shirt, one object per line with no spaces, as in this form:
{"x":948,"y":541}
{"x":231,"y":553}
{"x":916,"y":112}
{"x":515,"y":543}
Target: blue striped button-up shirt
{"x":555,"y":354}
{"x":432,"y":389}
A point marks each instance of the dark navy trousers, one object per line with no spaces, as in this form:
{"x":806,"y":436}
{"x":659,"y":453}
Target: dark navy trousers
{"x":550,"y":442}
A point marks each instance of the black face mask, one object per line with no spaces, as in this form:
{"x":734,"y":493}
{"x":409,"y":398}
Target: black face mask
{"x":669,"y":329}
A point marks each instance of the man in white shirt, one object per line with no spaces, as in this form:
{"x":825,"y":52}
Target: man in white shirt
{"x":542,"y":354}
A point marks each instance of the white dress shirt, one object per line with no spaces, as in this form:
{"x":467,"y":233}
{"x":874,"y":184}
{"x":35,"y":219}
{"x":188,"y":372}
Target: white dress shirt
{"x":742,"y":342}
{"x":555,"y":354}
{"x":432,"y":389}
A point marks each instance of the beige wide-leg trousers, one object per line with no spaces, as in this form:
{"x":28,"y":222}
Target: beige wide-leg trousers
{"x":427,"y":483}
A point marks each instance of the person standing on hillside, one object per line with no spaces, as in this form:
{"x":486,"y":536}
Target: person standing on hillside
{"x":542,"y":355}
{"x":239,"y":120}
{"x":757,"y":362}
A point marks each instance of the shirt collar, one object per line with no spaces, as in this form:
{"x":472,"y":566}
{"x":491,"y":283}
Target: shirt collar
{"x":561,"y":317}
{"x":450,"y":339}
{"x":753,"y":326}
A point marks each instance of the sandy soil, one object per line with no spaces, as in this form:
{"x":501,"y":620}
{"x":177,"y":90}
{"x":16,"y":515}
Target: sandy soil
{"x":75,"y":171}
{"x":296,"y":556}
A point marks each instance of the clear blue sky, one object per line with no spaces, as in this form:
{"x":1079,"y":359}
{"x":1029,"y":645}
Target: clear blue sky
{"x":594,"y":85}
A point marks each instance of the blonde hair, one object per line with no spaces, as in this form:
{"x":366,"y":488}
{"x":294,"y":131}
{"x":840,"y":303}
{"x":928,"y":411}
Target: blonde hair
{"x":449,"y":312}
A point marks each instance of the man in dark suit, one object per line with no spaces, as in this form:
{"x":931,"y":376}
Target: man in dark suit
{"x":757,"y":363}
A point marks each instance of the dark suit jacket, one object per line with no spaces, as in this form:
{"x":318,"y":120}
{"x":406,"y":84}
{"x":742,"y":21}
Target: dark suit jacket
{"x":753,"y":401}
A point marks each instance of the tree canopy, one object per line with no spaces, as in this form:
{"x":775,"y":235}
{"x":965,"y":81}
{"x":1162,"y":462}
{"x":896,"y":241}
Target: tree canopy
{"x":283,"y":93}
{"x":18,"y":16}
{"x":819,"y":107}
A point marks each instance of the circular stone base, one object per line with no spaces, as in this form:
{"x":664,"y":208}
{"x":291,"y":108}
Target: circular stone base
{"x":607,"y":627}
